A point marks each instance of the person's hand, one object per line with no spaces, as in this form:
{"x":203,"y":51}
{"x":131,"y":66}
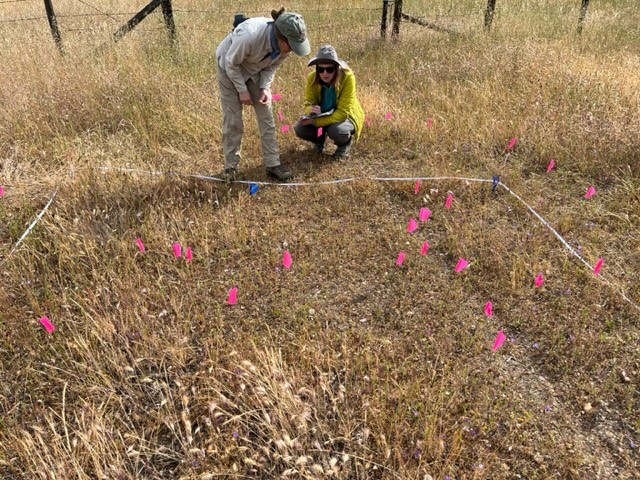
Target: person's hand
{"x":306,"y":121}
{"x":265,"y":96}
{"x":245,"y":98}
{"x":316,"y":110}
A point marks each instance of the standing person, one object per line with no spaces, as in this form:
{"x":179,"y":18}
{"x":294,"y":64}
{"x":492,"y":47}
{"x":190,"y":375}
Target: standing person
{"x":330,"y":103}
{"x":247,"y":60}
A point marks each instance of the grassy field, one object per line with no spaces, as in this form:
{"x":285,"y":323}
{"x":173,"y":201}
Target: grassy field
{"x":346,"y":365}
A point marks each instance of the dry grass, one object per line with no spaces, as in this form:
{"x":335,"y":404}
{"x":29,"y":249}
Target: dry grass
{"x":345,"y":366}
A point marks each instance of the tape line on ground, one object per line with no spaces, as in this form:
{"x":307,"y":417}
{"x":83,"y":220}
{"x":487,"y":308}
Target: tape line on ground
{"x":334,"y":182}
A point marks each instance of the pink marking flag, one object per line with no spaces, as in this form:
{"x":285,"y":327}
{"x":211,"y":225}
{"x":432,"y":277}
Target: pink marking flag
{"x":551,"y":165}
{"x":488,"y":309}
{"x":140,"y":244}
{"x":367,"y":122}
{"x":416,"y":187}
{"x":1,"y":191}
{"x":46,"y":323}
{"x":286,"y":259}
{"x":177,"y":250}
{"x":281,"y":116}
{"x":598,"y":266}
{"x":590,"y":192}
{"x":233,"y":294}
{"x":284,"y":128}
{"x":276,"y":96}
{"x":461,"y":265}
{"x":412,"y":225}
{"x":447,"y":202}
{"x":400,"y":258}
{"x":500,"y":338}
{"x":319,"y":132}
{"x":539,"y":280}
{"x":388,"y":116}
{"x":425,"y":248}
{"x":429,"y":123}
{"x":424,"y":214}
{"x":188,"y":255}
{"x":512,"y":144}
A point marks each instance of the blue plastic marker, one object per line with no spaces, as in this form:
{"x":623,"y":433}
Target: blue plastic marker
{"x":253,"y":188}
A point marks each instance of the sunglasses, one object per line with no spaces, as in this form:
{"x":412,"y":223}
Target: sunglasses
{"x":325,"y":69}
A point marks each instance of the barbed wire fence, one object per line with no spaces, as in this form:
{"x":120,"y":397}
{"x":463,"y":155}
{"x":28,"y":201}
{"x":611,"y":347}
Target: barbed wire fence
{"x":387,"y":15}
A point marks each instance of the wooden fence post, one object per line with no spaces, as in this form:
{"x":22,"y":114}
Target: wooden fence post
{"x":383,"y":21}
{"x":488,"y":13}
{"x":583,"y":14}
{"x":397,"y":18}
{"x":136,"y":19}
{"x":53,"y":23}
{"x":167,"y":11}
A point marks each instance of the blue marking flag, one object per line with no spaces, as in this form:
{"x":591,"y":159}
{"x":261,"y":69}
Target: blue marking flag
{"x":253,"y":188}
{"x":496,"y":181}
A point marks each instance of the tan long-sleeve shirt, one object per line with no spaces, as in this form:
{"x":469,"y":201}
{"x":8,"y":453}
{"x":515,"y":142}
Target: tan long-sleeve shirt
{"x":246,"y":54}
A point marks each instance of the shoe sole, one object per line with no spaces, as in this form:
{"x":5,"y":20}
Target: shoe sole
{"x":276,"y":177}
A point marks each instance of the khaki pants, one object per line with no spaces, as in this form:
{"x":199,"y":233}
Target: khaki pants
{"x":232,"y":127}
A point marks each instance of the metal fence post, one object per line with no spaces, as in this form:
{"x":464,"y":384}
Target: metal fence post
{"x":488,"y":13}
{"x":383,"y":21}
{"x":397,"y":18}
{"x":167,"y":11}
{"x":53,"y":23}
{"x":583,"y":14}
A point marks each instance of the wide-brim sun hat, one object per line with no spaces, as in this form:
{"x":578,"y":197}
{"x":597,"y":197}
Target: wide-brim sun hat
{"x":291,"y":25}
{"x":327,"y":54}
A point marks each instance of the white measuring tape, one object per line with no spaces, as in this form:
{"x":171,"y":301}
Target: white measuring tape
{"x":334,"y":182}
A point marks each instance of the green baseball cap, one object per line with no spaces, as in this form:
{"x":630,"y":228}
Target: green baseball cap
{"x":292,"y":26}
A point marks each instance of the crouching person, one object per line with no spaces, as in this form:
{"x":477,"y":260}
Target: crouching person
{"x":331,"y":104}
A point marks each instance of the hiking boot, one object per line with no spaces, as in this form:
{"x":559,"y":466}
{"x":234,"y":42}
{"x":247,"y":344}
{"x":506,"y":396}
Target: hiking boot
{"x":229,"y":174}
{"x":343,"y":150}
{"x":280,"y":172}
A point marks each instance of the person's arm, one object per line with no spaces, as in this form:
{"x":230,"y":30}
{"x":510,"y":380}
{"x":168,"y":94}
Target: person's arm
{"x":345,"y":101}
{"x":310,"y":96}
{"x":267,"y":74}
{"x":237,"y":53}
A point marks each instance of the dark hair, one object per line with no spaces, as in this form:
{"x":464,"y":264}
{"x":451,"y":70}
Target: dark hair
{"x":275,"y":14}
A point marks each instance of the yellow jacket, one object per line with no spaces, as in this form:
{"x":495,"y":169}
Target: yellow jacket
{"x":347,"y":102}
